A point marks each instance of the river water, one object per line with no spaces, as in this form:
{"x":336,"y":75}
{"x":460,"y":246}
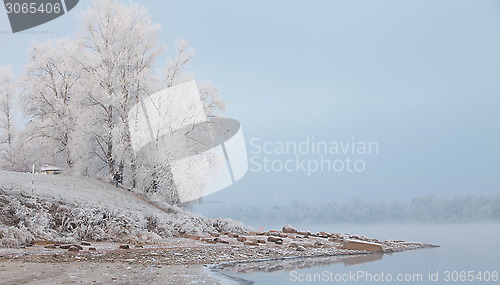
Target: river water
{"x":468,"y":254}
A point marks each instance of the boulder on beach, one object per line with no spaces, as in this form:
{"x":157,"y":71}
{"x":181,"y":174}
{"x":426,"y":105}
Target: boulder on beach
{"x":323,"y":234}
{"x":289,"y":229}
{"x":273,"y":239}
{"x":193,"y":237}
{"x":74,"y":248}
{"x":362,"y":245}
{"x":335,"y":239}
{"x":318,"y":243}
{"x":69,"y":246}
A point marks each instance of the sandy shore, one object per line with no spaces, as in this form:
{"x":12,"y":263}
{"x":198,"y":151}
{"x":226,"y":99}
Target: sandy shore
{"x":176,"y":261}
{"x":20,"y":272}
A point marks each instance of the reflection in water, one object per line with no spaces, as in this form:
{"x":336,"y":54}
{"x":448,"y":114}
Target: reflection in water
{"x":289,"y":264}
{"x":456,"y":252}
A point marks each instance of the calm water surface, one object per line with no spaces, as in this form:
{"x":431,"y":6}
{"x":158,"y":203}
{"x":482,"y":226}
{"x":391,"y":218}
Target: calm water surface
{"x":468,"y":254}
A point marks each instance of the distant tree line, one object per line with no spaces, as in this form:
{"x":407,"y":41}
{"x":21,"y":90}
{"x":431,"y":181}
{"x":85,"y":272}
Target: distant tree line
{"x":425,"y":209}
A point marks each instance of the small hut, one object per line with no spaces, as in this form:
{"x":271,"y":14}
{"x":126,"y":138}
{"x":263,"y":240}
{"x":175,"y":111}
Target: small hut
{"x":50,"y":169}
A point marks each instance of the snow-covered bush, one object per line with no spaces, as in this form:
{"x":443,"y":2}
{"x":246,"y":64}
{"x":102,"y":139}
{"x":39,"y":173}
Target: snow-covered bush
{"x":228,"y":225}
{"x":14,"y":236}
{"x":24,"y":219}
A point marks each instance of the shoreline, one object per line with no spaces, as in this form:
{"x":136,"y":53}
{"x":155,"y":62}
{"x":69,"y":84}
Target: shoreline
{"x":179,"y":259}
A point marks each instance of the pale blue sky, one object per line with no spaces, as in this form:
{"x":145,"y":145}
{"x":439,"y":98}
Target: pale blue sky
{"x":419,"y":77}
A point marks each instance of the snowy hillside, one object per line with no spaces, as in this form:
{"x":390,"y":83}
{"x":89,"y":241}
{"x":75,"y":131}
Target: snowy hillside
{"x":73,"y":190}
{"x":65,"y":208}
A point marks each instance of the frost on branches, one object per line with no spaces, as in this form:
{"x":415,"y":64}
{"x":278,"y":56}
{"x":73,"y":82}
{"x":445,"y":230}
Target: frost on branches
{"x":24,"y":219}
{"x":77,"y":92}
{"x":7,"y":93}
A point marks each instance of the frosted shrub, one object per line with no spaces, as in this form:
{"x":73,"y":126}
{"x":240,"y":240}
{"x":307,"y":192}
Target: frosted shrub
{"x":13,"y":236}
{"x":160,"y":225}
{"x":228,"y":225}
{"x":143,"y":237}
{"x":24,"y":219}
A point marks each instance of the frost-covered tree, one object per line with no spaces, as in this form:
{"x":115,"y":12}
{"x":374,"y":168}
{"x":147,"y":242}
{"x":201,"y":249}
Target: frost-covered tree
{"x":176,"y":69}
{"x":176,"y":72}
{"x":7,"y":93}
{"x":50,"y":83}
{"x":212,"y":101}
{"x":8,"y":132}
{"x":17,"y":153}
{"x":121,"y":47}
{"x":78,"y":94}
{"x":157,"y":166}
{"x":179,"y":162}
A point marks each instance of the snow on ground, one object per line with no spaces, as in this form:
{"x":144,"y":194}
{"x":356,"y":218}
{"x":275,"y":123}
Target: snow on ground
{"x":70,"y":209}
{"x":72,"y":190}
{"x":17,"y":272}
